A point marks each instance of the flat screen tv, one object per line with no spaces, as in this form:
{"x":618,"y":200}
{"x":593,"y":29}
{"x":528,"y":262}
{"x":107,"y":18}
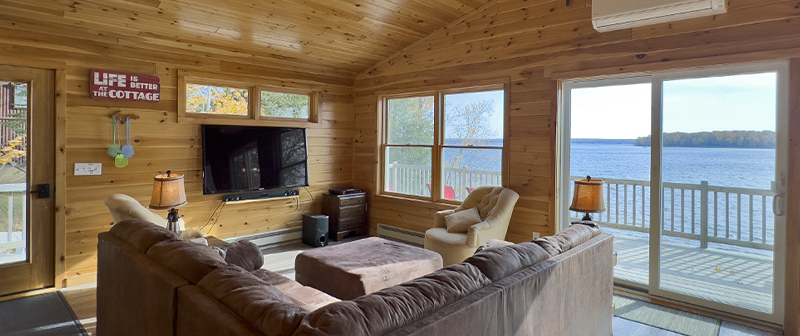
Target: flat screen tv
{"x":251,"y":158}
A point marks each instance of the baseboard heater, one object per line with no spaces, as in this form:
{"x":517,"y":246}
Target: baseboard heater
{"x":401,"y":235}
{"x":272,"y":238}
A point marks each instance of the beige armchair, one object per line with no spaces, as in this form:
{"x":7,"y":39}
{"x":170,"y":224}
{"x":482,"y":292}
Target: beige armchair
{"x":123,"y":207}
{"x":495,"y":205}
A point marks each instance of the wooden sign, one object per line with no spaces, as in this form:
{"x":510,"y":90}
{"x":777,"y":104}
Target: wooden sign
{"x":124,"y":86}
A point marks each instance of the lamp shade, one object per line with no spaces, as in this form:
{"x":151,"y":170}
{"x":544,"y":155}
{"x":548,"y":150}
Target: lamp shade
{"x":168,"y":192}
{"x":588,"y":196}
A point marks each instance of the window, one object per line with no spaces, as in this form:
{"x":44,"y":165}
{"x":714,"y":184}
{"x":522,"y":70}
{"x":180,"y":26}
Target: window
{"x":243,"y":99}
{"x":285,"y":105}
{"x":444,"y":144}
{"x":209,"y":99}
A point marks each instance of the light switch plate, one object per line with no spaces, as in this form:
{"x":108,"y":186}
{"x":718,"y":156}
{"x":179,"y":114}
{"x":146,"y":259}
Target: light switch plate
{"x":88,"y":169}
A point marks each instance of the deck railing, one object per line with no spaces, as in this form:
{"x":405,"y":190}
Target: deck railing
{"x":725,"y":215}
{"x":415,"y":180}
{"x":12,"y":237}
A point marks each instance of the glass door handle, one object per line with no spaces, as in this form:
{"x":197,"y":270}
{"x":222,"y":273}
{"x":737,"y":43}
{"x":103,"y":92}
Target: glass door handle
{"x":777,"y":205}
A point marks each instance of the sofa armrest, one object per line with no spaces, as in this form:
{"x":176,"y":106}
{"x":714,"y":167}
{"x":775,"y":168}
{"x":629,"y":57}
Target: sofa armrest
{"x":438,"y":218}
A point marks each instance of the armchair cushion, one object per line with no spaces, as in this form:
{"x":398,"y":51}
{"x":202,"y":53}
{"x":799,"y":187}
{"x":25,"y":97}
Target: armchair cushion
{"x":460,"y":221}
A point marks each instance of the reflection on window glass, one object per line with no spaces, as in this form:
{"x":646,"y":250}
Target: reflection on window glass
{"x":408,"y":170}
{"x":474,"y":119}
{"x":216,"y":100}
{"x":410,"y":121}
{"x":284,"y":105}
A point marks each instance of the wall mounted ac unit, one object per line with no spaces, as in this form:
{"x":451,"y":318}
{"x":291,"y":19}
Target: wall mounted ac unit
{"x":610,"y":15}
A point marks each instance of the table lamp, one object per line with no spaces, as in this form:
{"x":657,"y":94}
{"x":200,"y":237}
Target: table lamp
{"x":169,"y":193}
{"x":588,"y":198}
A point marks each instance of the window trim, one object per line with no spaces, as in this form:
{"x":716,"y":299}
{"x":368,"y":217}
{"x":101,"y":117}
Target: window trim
{"x":254,"y":87}
{"x":438,"y":93}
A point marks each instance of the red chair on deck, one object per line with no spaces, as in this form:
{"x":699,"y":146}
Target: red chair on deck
{"x":449,"y":193}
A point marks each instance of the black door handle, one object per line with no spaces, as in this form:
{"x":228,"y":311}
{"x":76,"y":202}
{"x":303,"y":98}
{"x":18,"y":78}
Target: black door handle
{"x":42,"y":190}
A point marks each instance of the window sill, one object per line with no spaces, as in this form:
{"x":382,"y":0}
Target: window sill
{"x":427,"y":203}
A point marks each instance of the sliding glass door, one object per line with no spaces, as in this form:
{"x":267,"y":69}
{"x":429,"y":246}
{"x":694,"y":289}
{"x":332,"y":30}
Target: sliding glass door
{"x":704,"y":225}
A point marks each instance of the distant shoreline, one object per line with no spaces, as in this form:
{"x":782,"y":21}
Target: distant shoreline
{"x":716,"y":139}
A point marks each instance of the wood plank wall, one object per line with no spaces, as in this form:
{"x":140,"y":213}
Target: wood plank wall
{"x":535,"y":44}
{"x":161,"y":143}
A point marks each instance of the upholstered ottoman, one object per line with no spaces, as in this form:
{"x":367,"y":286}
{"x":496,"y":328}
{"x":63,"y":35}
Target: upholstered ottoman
{"x":353,"y":269}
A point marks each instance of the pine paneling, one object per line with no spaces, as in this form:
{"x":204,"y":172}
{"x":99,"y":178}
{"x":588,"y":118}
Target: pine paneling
{"x":34,"y":34}
{"x":537,"y":43}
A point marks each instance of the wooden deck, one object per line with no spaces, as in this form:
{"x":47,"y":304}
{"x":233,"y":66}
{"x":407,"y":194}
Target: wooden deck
{"x":732,"y":277}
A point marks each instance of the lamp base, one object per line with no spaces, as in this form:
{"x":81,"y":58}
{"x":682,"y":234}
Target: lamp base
{"x":583,"y":222}
{"x":172,"y":221}
{"x":586,"y":220}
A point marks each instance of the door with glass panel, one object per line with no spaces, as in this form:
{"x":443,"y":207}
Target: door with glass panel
{"x":722,"y":171}
{"x":27,"y":128}
{"x":696,"y":210}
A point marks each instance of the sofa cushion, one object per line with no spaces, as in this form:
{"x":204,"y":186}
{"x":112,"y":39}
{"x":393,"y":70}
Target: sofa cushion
{"x":141,"y":234}
{"x":500,"y":262}
{"x":189,"y":260}
{"x":259,"y":304}
{"x":393,"y":307}
{"x":567,"y":239}
{"x":244,"y":254}
{"x":306,"y":297}
{"x":460,"y":221}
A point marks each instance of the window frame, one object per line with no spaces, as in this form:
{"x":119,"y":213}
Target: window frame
{"x":254,"y":87}
{"x":437,"y":148}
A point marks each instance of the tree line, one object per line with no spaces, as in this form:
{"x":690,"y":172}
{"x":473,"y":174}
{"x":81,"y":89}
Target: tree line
{"x":716,"y":139}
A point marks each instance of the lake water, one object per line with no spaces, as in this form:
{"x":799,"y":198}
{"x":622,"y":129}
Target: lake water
{"x":724,"y":167}
{"x":729,"y":167}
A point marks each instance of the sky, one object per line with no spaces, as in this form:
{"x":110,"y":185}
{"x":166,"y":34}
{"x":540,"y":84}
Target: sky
{"x":728,"y":103}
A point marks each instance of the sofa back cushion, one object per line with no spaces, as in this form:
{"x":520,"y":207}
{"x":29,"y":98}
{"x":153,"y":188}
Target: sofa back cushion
{"x":500,"y":262}
{"x":141,"y":234}
{"x":568,"y":238}
{"x":188,"y":260}
{"x":253,"y":300}
{"x":396,"y":306}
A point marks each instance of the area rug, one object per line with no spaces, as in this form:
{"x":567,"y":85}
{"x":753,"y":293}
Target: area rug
{"x":46,"y":314}
{"x":666,"y":318}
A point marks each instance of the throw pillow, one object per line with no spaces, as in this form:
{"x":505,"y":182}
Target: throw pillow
{"x":461,"y":221}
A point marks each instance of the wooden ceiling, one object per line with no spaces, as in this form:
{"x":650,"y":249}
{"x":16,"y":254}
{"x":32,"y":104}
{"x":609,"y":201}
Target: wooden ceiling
{"x":342,"y":36}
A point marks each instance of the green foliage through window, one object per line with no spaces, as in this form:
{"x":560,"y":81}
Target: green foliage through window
{"x":284,"y":105}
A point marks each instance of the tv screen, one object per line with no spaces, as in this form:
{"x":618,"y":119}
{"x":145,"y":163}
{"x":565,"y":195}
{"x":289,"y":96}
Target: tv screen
{"x":247,"y":158}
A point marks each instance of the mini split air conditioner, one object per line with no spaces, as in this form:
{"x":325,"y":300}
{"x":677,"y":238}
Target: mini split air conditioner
{"x":610,"y":15}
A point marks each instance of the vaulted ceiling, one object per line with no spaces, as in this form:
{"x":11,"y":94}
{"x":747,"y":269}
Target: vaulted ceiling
{"x":346,"y":36}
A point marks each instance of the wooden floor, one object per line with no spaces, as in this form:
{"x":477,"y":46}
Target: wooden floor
{"x":281,"y":260}
{"x":730,"y":277}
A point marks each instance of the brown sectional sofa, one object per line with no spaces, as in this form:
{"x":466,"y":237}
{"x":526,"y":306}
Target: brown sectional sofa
{"x":152,"y":283}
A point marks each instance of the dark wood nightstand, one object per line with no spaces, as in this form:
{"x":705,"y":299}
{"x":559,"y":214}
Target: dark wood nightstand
{"x":347,"y":214}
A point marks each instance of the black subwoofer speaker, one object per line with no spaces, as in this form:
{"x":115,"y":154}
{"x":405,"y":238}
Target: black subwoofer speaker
{"x":315,"y":230}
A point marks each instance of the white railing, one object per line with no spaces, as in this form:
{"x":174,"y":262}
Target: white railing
{"x":415,"y":180}
{"x":725,"y":215}
{"x":13,"y":238}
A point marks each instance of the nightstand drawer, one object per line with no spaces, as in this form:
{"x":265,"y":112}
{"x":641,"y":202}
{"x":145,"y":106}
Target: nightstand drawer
{"x":354,"y":211}
{"x":349,"y":224}
{"x":352,"y":200}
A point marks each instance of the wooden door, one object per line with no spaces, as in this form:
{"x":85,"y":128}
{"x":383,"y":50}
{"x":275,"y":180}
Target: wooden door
{"x":27,"y":174}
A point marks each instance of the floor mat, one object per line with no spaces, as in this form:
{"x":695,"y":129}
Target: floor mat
{"x":39,"y":315}
{"x":666,"y":318}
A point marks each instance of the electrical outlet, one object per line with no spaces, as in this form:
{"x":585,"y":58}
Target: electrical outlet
{"x":88,"y":169}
